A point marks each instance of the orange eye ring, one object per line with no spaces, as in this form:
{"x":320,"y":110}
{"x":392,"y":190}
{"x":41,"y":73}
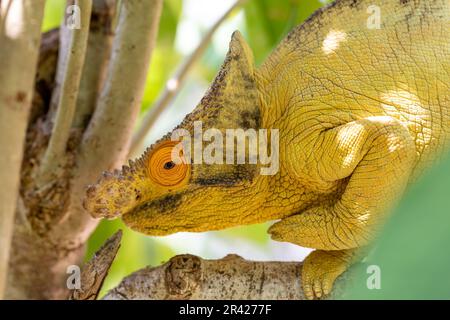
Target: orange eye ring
{"x":163,"y":170}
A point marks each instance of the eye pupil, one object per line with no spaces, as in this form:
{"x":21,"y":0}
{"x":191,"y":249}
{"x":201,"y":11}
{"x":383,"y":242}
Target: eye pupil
{"x":169,"y":165}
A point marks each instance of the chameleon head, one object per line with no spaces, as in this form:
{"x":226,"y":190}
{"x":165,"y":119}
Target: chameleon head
{"x":153,"y":175}
{"x":158,"y":196}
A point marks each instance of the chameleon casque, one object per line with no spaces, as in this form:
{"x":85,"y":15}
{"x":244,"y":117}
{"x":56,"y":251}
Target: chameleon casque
{"x":361,"y":113}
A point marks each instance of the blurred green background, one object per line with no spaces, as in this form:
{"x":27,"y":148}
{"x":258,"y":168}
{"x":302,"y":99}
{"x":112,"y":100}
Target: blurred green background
{"x":412,"y":251}
{"x":263,"y":23}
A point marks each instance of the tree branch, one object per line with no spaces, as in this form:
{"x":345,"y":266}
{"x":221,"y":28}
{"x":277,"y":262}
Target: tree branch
{"x":95,"y":271}
{"x":188,"y":277}
{"x":70,"y":66}
{"x":20,"y":33}
{"x":175,"y":83}
{"x":96,"y":61}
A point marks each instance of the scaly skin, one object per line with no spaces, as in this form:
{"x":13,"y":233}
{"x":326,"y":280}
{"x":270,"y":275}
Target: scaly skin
{"x":361,"y":113}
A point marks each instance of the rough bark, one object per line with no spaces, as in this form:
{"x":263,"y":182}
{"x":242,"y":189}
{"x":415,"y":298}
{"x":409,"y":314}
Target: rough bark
{"x":95,"y":271}
{"x":69,"y":69}
{"x":42,"y":250}
{"x":97,"y":57}
{"x":19,"y":37}
{"x":188,"y":277}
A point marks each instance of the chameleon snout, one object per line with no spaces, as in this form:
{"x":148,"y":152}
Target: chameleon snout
{"x":111,"y":197}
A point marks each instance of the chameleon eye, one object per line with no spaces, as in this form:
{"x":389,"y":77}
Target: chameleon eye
{"x":169,"y":165}
{"x":163,"y":170}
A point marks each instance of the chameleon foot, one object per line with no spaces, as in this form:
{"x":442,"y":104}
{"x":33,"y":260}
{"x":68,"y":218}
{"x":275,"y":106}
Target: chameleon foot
{"x":320,"y":270}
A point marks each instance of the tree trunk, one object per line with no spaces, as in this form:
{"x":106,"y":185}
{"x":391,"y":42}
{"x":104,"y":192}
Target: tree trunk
{"x":20,"y":22}
{"x":51,"y":226}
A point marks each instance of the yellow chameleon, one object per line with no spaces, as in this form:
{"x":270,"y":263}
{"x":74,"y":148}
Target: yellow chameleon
{"x":360,"y":94}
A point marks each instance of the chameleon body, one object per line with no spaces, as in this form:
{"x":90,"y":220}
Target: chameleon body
{"x":361,"y":113}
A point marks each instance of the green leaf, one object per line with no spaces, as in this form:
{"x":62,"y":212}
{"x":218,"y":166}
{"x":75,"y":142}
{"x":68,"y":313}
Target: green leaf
{"x":162,"y":65}
{"x":412,"y":251}
{"x":53,"y":14}
{"x":256,"y":233}
{"x":170,"y":16}
{"x":268,"y":22}
{"x":164,"y":57}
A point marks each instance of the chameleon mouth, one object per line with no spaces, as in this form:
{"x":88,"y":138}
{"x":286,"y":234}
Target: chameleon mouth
{"x":147,"y":214}
{"x":149,"y":223}
{"x":155,"y":224}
